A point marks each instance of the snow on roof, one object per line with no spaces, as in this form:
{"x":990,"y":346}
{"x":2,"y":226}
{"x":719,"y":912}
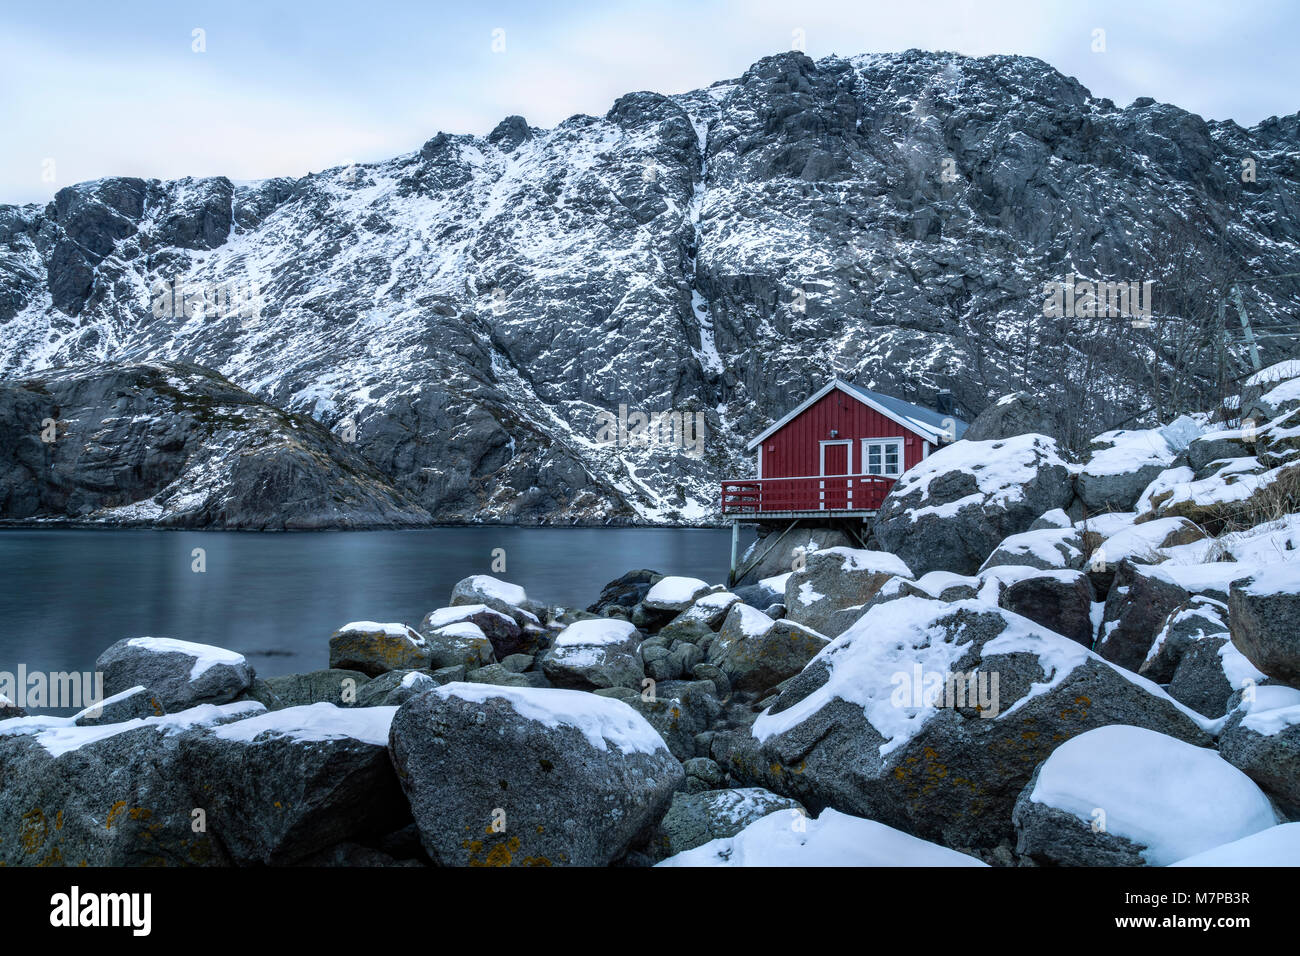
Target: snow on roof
{"x":1171,"y":797}
{"x":926,"y":422}
{"x":789,"y":838}
{"x":205,"y":655}
{"x":604,"y":721}
{"x":314,"y":723}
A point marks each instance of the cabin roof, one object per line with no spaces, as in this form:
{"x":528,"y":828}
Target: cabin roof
{"x":926,"y":422}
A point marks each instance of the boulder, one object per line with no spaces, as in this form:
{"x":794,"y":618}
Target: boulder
{"x":180,"y":674}
{"x":334,"y":686}
{"x":756,"y":656}
{"x":393,"y":688}
{"x":502,"y":776}
{"x":509,"y":599}
{"x":678,"y":710}
{"x":1061,"y":601}
{"x":710,"y":609}
{"x":1196,"y":619}
{"x":675,"y":593}
{"x":500,"y":674}
{"x":506,"y":635}
{"x":1209,"y":672}
{"x":1264,"y":617}
{"x":1019,"y":413}
{"x":1276,"y":846}
{"x":1262,"y":739}
{"x":1124,"y":462}
{"x":950,"y":511}
{"x":280,"y":786}
{"x":694,"y":819}
{"x":374,"y":648}
{"x":931,"y":716}
{"x":105,"y":795}
{"x":1137,"y":607}
{"x":128,"y":705}
{"x":625,"y":592}
{"x":789,"y":838}
{"x":776,"y":555}
{"x":596,"y":653}
{"x":458,"y":645}
{"x":1128,"y":796}
{"x":1046,"y":548}
{"x":834,"y":579}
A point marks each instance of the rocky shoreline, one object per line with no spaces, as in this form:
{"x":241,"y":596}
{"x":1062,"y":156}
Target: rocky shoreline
{"x":1035,"y":661}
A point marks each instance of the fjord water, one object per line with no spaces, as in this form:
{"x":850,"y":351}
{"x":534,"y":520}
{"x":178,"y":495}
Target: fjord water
{"x":66,"y":595}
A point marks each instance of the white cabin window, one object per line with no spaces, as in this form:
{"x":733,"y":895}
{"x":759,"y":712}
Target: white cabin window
{"x":882,"y":456}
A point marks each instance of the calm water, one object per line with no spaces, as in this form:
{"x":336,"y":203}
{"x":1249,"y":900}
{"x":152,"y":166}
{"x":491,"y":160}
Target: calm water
{"x":67,"y":595}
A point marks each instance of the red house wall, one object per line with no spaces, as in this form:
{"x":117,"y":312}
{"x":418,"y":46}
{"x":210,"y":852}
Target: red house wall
{"x":794,"y":450}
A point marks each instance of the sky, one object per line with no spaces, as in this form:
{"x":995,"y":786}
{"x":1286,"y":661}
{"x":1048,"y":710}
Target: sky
{"x":256,"y":89}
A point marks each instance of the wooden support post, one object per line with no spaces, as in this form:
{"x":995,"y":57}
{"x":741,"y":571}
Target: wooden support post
{"x":735,"y":546}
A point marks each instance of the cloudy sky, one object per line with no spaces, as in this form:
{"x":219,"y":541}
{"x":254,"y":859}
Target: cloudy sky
{"x":91,"y":89}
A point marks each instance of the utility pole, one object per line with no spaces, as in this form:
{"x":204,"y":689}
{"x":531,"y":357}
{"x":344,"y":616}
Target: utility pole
{"x":1245,"y":324}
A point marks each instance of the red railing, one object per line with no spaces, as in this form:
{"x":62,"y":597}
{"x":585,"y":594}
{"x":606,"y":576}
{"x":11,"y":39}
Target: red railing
{"x":842,"y":493}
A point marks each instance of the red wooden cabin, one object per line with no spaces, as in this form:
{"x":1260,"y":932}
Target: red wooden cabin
{"x":840,"y":451}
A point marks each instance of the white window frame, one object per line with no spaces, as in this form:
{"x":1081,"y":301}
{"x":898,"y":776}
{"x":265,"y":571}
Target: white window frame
{"x":864,"y":457}
{"x":848,"y":458}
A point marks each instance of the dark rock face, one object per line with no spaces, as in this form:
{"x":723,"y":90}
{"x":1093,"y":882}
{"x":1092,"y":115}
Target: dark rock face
{"x":1019,"y":413}
{"x":1060,"y":601}
{"x":178,"y":445}
{"x":681,"y":252}
{"x":1264,"y":619}
{"x":491,"y":784}
{"x":1137,"y":606}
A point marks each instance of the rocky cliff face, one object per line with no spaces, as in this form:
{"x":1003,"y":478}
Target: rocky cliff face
{"x":474,"y":308}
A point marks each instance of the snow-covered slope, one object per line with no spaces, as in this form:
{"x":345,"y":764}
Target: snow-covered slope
{"x":474,"y":307}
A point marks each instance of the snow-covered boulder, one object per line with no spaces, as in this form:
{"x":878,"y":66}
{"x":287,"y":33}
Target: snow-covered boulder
{"x":951,"y":510}
{"x":1262,"y":738}
{"x":179,"y":674}
{"x":1137,"y":607}
{"x":1276,"y":846}
{"x":1128,"y":796}
{"x":1272,"y":391}
{"x":509,"y":599}
{"x":1264,"y":617}
{"x":675,"y":593}
{"x":1216,"y":446}
{"x":790,"y":838}
{"x":836,"y":578}
{"x":601,"y":652}
{"x":679,"y":710}
{"x":1123,"y":462}
{"x":460,"y":644}
{"x":1145,"y":541}
{"x":695,"y":819}
{"x":930,"y":716}
{"x":1019,"y":413}
{"x":1061,"y":601}
{"x":710,"y":609}
{"x":1046,"y":548}
{"x":394,"y":688}
{"x":1209,"y":673}
{"x":757,"y":653}
{"x":129,"y":704}
{"x":501,"y":629}
{"x":372,"y":648}
{"x":108,"y":794}
{"x":280,"y":786}
{"x":504,"y":776}
{"x":1196,"y":619}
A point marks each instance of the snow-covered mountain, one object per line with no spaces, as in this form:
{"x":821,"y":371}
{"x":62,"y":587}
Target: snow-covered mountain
{"x":475,"y":310}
